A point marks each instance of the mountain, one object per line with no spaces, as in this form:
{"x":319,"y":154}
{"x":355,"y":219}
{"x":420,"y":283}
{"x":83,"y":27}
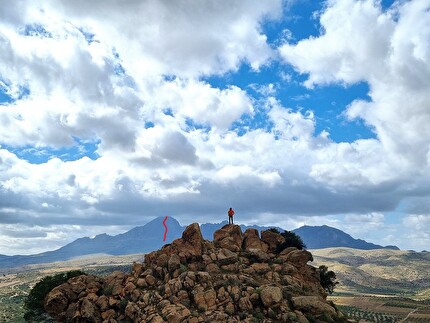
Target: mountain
{"x":319,"y":237}
{"x":140,"y":239}
{"x":149,"y":237}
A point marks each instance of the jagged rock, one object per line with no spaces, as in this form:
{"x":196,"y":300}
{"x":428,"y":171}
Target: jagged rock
{"x":273,"y":240}
{"x":271,"y":295}
{"x":314,"y":304}
{"x":174,"y":263}
{"x":212,"y":268}
{"x":229,"y":237}
{"x":257,"y":255}
{"x":89,"y":311}
{"x":225,"y":257}
{"x":192,"y":240}
{"x":56,"y":301}
{"x":245,"y":304}
{"x":299,"y":257}
{"x":108,"y":315}
{"x":194,"y":281}
{"x":175,"y":313}
{"x":251,"y":240}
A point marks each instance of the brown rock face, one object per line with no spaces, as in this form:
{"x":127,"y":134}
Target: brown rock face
{"x":57,"y":301}
{"x":272,"y":239}
{"x":271,"y":295}
{"x":235,"y":278}
{"x":229,"y":237}
{"x":251,"y":240}
{"x":192,"y":236}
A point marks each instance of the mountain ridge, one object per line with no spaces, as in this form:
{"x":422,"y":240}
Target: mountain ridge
{"x":141,"y":239}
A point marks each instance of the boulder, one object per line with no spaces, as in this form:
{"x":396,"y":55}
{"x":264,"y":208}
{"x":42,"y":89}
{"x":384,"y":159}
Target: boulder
{"x":175,"y":313}
{"x":273,"y":240}
{"x":89,"y":311}
{"x":225,"y":257}
{"x":191,"y":245}
{"x":251,"y":240}
{"x":299,"y":257}
{"x":56,"y":301}
{"x":229,"y":237}
{"x":315,"y":305}
{"x":271,"y":295}
{"x":174,"y":263}
{"x":257,"y":255}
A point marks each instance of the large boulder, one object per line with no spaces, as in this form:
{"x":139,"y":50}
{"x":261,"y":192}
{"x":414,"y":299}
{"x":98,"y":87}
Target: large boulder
{"x":271,"y":295}
{"x":56,"y":301}
{"x":273,"y":239}
{"x":229,"y":237}
{"x":251,"y":240}
{"x":314,"y":305}
{"x":299,"y":257}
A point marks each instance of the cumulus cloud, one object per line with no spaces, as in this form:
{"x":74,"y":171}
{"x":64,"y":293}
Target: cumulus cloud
{"x":360,"y":42}
{"x":130,"y":79}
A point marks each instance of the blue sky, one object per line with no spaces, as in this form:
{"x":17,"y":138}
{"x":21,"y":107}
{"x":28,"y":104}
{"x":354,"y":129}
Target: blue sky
{"x":293,"y":112}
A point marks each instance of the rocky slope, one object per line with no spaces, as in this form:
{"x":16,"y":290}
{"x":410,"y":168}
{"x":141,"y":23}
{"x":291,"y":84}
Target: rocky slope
{"x":237,"y":277}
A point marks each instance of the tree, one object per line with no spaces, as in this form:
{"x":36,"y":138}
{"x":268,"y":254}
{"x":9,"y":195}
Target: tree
{"x":327,"y":279}
{"x":291,"y":240}
{"x":33,"y":304}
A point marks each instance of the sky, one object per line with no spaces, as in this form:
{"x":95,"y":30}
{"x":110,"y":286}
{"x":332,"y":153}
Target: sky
{"x":294,"y":112}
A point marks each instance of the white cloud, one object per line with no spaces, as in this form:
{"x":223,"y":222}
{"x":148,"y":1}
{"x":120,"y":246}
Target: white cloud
{"x":201,"y":38}
{"x":168,"y":141}
{"x":360,"y":42}
{"x":202,"y":103}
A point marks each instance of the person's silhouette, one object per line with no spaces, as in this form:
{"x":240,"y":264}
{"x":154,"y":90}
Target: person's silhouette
{"x":230,"y":216}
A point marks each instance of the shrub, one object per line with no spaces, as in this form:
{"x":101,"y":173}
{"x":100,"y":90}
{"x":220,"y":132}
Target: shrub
{"x":274,"y":230}
{"x":327,"y":279}
{"x":107,"y":291}
{"x":33,"y":304}
{"x":291,"y":240}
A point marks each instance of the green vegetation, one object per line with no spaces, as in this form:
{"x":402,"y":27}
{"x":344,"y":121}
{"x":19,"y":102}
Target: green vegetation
{"x":327,"y":279}
{"x":291,"y":240}
{"x":34,"y":301}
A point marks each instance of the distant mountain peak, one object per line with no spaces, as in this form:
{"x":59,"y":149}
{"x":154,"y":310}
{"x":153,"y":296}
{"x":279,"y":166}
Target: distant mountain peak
{"x":324,"y":236}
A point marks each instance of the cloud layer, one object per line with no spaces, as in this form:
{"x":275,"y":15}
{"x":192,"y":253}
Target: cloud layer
{"x":132,"y":82}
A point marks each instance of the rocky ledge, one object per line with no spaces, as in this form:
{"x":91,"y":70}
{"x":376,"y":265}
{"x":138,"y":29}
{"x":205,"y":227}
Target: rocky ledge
{"x":237,"y":277}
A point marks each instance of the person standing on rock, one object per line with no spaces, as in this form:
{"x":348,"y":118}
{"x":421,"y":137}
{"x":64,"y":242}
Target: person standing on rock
{"x":230,"y":216}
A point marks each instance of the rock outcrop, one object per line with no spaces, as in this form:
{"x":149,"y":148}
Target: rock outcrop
{"x":236,"y":278}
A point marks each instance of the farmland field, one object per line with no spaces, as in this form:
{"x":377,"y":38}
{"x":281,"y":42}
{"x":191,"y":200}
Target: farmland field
{"x":380,"y":285}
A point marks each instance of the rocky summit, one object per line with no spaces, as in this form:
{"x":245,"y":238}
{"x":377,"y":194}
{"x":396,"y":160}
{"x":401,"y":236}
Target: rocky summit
{"x":237,"y":277}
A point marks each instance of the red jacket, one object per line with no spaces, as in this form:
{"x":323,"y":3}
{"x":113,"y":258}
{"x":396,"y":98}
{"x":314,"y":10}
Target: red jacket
{"x":230,"y":212}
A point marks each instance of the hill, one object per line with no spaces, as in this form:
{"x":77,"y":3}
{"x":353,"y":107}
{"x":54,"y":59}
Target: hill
{"x":381,"y":271}
{"x":319,"y":237}
{"x":237,"y":277}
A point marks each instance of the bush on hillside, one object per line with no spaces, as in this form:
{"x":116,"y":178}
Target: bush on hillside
{"x":291,"y":240}
{"x":327,"y":279}
{"x":33,"y":304}
{"x":274,"y":230}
